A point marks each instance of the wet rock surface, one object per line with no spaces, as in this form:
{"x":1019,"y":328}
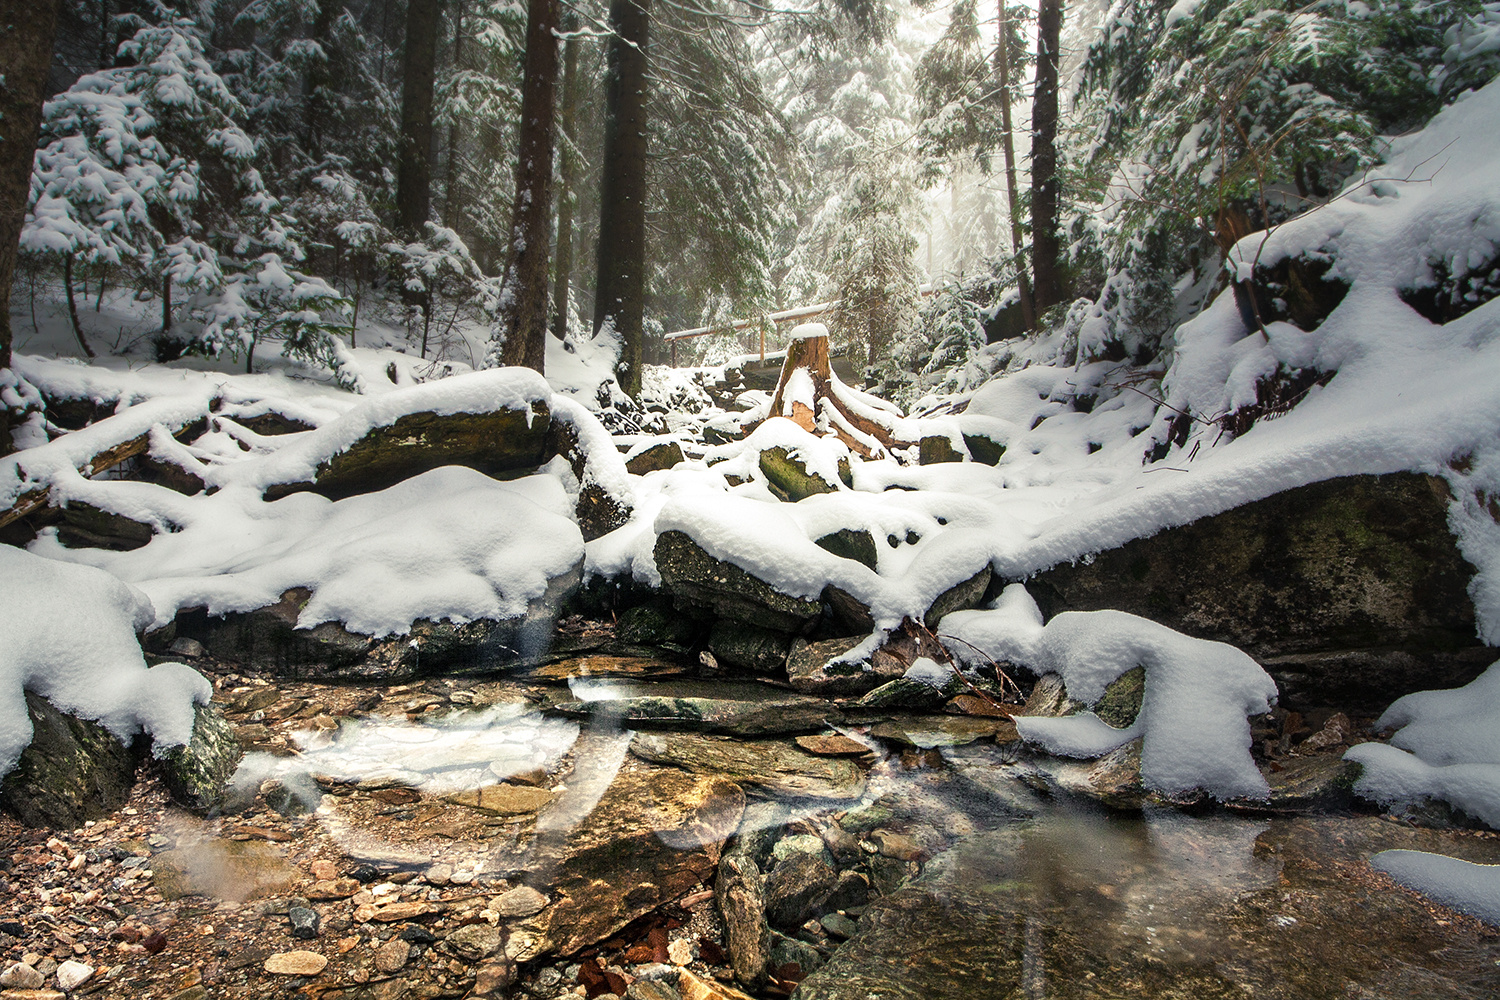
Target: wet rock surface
{"x":467,"y":836}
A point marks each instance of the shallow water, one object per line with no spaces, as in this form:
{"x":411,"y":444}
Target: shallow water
{"x":1008,"y":893}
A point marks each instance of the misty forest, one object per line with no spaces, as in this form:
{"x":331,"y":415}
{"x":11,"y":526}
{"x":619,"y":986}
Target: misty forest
{"x":740,"y":499}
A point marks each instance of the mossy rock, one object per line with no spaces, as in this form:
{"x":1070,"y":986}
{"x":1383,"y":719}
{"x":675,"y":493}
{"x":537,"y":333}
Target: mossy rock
{"x":811,"y":669}
{"x":197,"y":772}
{"x":789,"y":478}
{"x":83,"y":526}
{"x":749,"y":647}
{"x":1350,"y":592}
{"x":599,"y":511}
{"x":936,"y":449}
{"x":268,"y":639}
{"x":907,"y":694}
{"x":696,"y":578}
{"x":984,"y":449}
{"x":654,"y":624}
{"x":74,"y":770}
{"x":498,"y":443}
{"x":660,"y":456}
{"x":1121,"y":701}
{"x":850,"y":543}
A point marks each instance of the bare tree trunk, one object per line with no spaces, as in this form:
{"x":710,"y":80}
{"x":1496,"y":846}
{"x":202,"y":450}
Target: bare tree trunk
{"x":166,"y":304}
{"x":620,"y":290}
{"x":83,"y":345}
{"x":1012,"y":195}
{"x":523,"y":318}
{"x":567,"y":180}
{"x":451,"y":199}
{"x":27,"y":28}
{"x":1046,"y":246}
{"x":418,"y":67}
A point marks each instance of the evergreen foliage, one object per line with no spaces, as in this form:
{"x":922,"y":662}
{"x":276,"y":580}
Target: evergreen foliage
{"x":1209,"y":119}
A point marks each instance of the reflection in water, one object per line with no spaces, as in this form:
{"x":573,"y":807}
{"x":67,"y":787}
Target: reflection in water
{"x":460,"y":751}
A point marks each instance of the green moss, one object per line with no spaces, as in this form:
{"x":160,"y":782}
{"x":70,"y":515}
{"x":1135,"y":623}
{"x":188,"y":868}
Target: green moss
{"x":790,"y":477}
{"x":850,"y":543}
{"x":1121,"y":702}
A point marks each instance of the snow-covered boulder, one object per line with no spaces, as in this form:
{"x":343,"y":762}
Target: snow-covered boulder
{"x":1350,"y":592}
{"x":724,"y":590}
{"x":71,"y":670}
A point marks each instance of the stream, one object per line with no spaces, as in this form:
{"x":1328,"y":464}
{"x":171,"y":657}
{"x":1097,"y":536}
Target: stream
{"x":898,"y":856}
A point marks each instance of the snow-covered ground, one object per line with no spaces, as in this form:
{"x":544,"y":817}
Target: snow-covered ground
{"x":1407,"y":394}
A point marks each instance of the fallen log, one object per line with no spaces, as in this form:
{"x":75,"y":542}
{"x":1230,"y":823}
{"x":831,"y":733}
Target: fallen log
{"x":27,"y":477}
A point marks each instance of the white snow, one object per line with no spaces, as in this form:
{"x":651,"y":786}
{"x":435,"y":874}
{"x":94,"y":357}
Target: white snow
{"x":70,"y":638}
{"x":450,"y":543}
{"x":1447,"y":747}
{"x":1463,"y":885}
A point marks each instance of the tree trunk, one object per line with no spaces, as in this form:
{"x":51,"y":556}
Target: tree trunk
{"x":26,"y":32}
{"x":414,"y":169}
{"x":1046,"y":246}
{"x":523,"y":317}
{"x":83,"y":345}
{"x":567,"y":180}
{"x":451,"y":197}
{"x":620,"y":289}
{"x":1012,"y":194}
{"x":166,"y":304}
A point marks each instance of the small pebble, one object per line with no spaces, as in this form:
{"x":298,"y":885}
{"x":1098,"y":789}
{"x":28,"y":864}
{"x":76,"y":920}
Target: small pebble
{"x":71,"y":975}
{"x":20,"y":976}
{"x":304,"y":922}
{"x":391,"y":956}
{"x":296,"y":963}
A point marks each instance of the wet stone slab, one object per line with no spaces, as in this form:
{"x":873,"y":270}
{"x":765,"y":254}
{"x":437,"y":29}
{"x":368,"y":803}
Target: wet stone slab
{"x":772,"y":768}
{"x":741,"y":709}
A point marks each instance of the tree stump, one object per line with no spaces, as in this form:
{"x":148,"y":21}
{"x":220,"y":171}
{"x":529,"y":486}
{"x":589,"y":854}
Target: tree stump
{"x":811,"y":395}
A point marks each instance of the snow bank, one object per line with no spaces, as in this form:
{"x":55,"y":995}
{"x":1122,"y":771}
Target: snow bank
{"x":1448,"y":748}
{"x":1463,"y":885}
{"x":70,"y":638}
{"x":450,"y":543}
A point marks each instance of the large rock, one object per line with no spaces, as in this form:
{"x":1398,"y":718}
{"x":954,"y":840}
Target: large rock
{"x":789,"y":478}
{"x":749,"y":647}
{"x":740,"y":892}
{"x":698,"y":579}
{"x":496,"y":442}
{"x":269,"y":640}
{"x":1349,"y":592}
{"x":74,"y":770}
{"x":770,"y":767}
{"x":656,"y":834}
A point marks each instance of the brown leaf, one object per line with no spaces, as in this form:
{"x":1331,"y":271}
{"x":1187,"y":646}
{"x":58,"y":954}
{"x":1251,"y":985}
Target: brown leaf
{"x":710,"y":952}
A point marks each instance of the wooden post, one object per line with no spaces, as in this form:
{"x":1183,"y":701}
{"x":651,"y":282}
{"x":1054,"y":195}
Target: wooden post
{"x":763,"y":341}
{"x":674,"y":354}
